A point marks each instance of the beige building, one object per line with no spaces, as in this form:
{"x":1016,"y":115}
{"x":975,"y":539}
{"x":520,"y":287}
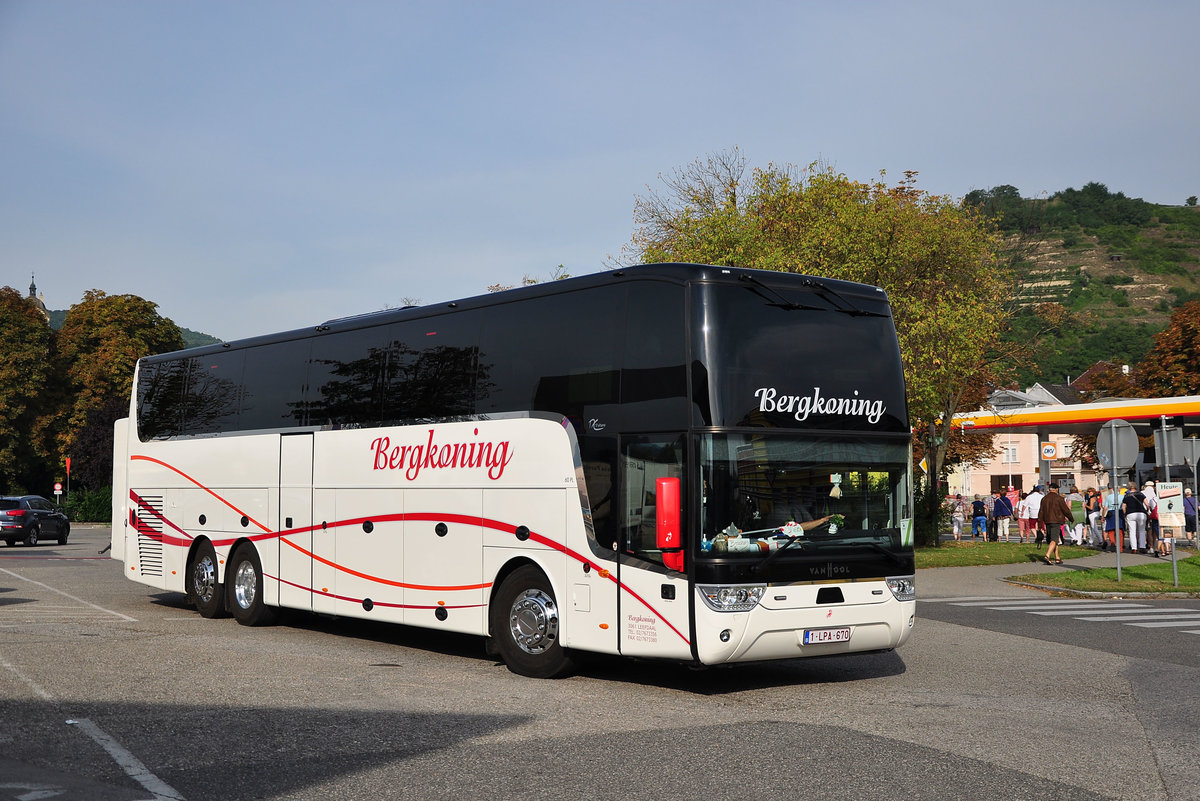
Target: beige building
{"x":1017,"y":463}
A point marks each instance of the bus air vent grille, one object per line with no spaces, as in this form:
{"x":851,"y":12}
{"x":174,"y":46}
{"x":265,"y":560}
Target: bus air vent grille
{"x":150,"y":546}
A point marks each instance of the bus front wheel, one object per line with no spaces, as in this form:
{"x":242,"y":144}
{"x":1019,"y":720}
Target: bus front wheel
{"x":244,"y":589}
{"x":525,"y":623}
{"x":203,"y":589}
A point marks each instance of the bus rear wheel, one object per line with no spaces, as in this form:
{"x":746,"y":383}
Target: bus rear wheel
{"x":244,"y":589}
{"x":203,"y":589}
{"x":525,"y":626}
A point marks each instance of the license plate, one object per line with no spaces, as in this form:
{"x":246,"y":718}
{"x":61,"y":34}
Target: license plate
{"x":820,"y":636}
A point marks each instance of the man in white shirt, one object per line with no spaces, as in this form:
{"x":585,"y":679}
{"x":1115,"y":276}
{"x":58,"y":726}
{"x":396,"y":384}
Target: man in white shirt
{"x":1034,"y":501}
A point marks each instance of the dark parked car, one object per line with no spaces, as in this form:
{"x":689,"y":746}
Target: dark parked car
{"x":30,"y":518}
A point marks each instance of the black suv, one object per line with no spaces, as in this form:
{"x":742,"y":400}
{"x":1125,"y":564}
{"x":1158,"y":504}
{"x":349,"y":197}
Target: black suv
{"x":31,"y":517}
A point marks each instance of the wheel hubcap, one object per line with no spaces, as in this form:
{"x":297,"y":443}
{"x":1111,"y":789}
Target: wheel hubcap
{"x":533,"y":621}
{"x":204,"y":577}
{"x":245,"y":585}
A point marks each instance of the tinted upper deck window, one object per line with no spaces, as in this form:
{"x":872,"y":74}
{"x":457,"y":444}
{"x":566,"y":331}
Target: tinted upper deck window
{"x":273,"y":383}
{"x":213,"y":396}
{"x":430,"y":370}
{"x":769,"y":363}
{"x":345,"y":378}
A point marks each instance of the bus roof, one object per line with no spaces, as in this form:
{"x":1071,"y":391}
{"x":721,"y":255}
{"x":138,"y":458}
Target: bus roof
{"x":671,"y":272}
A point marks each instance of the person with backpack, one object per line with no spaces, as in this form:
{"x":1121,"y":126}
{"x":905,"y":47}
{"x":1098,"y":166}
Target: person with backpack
{"x":978,"y":519}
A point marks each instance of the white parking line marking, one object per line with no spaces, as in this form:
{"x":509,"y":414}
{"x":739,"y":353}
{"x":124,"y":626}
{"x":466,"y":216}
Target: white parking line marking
{"x":132,"y":766}
{"x":1165,"y":623}
{"x":68,"y":595}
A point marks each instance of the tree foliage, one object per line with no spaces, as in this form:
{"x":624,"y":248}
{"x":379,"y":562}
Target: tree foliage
{"x":26,"y":358}
{"x":1172,"y":367}
{"x":61,"y":391}
{"x":937,"y":260}
{"x":101,"y":339}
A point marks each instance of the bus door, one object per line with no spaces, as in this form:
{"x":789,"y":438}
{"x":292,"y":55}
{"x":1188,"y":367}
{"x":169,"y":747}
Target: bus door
{"x":294,"y":525}
{"x":655,"y":600}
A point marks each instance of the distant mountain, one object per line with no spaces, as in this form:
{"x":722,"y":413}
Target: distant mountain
{"x":1119,"y":265}
{"x":191,"y":338}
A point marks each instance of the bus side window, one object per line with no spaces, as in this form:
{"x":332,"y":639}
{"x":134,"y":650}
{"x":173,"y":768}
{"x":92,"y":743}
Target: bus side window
{"x":644,"y":460}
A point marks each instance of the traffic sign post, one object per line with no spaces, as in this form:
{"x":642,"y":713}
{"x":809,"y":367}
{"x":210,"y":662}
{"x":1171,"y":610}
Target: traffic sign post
{"x":57,"y":490}
{"x":1117,"y":449}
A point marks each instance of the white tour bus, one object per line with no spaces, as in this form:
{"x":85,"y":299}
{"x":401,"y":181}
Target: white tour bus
{"x":681,"y":462}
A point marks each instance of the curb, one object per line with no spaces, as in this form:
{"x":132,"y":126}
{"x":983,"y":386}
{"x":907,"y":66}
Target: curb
{"x":1094,"y":594}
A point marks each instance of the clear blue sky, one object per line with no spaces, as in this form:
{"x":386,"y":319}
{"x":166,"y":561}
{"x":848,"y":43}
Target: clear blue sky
{"x":257,"y":166}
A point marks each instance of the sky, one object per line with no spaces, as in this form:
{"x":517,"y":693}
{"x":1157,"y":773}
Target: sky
{"x":259,"y":166}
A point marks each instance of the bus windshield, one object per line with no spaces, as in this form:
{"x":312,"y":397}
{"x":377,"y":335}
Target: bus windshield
{"x":763,"y":492}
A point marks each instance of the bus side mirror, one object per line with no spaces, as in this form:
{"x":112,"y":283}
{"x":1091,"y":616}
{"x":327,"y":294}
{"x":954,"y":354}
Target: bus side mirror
{"x":668,"y":515}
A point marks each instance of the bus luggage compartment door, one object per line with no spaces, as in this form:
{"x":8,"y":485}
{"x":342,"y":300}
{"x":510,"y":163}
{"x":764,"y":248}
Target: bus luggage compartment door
{"x":295,"y":521}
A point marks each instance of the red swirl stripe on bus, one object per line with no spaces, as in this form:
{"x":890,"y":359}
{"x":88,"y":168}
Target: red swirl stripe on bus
{"x":495,"y":525}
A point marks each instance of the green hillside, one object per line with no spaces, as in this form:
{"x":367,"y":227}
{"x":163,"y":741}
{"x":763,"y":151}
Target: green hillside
{"x":1120,"y":266}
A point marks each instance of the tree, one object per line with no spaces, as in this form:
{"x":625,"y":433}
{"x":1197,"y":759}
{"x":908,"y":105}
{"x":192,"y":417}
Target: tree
{"x":936,"y":259}
{"x":1172,"y":367}
{"x":26,"y":356}
{"x":100,"y":341}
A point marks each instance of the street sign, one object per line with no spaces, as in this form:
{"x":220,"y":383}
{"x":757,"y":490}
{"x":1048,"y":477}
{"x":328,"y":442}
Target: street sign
{"x":1169,"y":446}
{"x":58,"y":488}
{"x":1117,"y":445}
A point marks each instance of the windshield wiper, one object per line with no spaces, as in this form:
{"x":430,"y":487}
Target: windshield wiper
{"x":776,"y":298}
{"x":845,"y":306}
{"x":761,"y":566}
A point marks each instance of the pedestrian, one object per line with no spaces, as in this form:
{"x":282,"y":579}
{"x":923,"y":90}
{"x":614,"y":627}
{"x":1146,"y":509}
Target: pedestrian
{"x":990,"y":503}
{"x":1074,"y":499}
{"x":1151,"y":517}
{"x":958,"y":515}
{"x":978,"y":519}
{"x":1111,"y":508}
{"x":1024,"y":523}
{"x":1035,"y":506}
{"x":1054,"y":513}
{"x":1092,"y":505}
{"x":1189,"y":514}
{"x":1002,"y":510}
{"x":1134,"y":506}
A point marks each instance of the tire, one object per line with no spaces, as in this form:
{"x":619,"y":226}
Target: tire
{"x":244,"y":589}
{"x":525,"y":623}
{"x":31,"y":538}
{"x":203,"y":589}
{"x":63,"y":533}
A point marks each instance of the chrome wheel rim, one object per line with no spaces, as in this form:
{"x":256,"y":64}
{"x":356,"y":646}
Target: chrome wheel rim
{"x":245,"y":585}
{"x":204,"y":579}
{"x":533,"y":621}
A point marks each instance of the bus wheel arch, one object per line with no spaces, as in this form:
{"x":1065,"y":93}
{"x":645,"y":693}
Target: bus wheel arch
{"x":245,"y":586}
{"x":524,"y":622}
{"x":203,"y":580}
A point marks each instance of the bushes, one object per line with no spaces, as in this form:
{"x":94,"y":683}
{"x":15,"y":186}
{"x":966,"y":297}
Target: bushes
{"x":89,"y":506}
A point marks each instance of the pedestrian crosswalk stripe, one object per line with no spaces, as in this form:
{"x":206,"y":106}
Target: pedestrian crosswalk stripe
{"x":1100,"y":610}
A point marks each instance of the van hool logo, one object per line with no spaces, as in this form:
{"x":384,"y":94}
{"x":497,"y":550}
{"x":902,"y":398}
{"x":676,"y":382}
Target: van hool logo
{"x":431,"y":455}
{"x":801,"y":406}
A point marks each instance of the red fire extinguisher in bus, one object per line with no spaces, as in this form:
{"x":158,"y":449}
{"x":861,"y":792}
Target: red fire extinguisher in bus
{"x":668,"y":514}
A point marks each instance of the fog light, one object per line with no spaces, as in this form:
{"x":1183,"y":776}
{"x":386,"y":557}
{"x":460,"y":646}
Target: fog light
{"x":910,"y":621}
{"x":725,"y":635}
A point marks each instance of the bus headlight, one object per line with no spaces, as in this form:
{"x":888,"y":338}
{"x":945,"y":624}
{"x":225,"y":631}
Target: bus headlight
{"x":903,"y":587}
{"x":731,"y":598}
